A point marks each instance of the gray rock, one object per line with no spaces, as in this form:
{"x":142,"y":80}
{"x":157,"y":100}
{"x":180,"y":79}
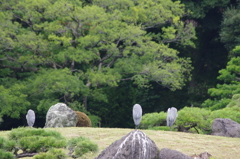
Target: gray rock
{"x":204,"y":155}
{"x":135,"y":145}
{"x":225,"y":127}
{"x":172,"y":154}
{"x":60,"y":115}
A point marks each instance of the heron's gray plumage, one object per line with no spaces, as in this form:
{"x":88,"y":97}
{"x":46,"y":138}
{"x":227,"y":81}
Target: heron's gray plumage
{"x":30,"y":117}
{"x":137,"y":114}
{"x":171,"y":116}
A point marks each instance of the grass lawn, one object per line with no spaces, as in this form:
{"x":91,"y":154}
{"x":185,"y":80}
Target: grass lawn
{"x":189,"y":144}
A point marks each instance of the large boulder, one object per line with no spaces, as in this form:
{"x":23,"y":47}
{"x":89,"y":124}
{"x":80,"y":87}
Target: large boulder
{"x":172,"y":154}
{"x":134,"y":145}
{"x":60,"y":115}
{"x":225,"y":127}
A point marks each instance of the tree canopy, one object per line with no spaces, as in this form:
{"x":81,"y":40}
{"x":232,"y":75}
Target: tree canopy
{"x":67,"y":51}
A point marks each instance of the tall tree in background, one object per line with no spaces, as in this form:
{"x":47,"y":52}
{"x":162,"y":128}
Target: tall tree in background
{"x":58,"y":51}
{"x":210,"y":55}
{"x":223,"y":93}
{"x":230,"y":33}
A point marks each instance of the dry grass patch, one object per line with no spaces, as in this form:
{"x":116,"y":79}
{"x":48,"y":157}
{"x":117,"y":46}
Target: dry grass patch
{"x":189,"y":144}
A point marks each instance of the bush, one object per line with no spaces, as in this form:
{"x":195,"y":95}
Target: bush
{"x":40,"y":144}
{"x":83,"y":120}
{"x":96,"y":120}
{"x":7,"y":145}
{"x":150,"y":120}
{"x":81,"y":145}
{"x":163,"y":128}
{"x":51,"y":154}
{"x":17,"y":134}
{"x":43,"y":139}
{"x":30,"y":141}
{"x":6,"y":155}
{"x":232,"y":113}
{"x":194,"y":119}
{"x":235,"y":101}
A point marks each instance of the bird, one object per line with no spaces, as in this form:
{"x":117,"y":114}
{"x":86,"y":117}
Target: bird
{"x":30,"y":117}
{"x":171,"y":116}
{"x":137,"y":114}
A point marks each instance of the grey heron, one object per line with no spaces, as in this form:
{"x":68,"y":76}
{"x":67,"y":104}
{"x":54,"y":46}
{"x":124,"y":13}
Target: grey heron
{"x":171,"y":116}
{"x":137,"y":114}
{"x":30,"y":117}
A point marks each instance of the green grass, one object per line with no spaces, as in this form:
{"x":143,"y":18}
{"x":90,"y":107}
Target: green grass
{"x":189,"y":144}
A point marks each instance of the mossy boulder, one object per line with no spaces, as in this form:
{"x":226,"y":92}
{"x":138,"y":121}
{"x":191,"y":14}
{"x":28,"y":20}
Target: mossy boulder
{"x":83,"y":120}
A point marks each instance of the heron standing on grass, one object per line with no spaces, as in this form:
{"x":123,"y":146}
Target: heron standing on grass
{"x":137,"y":115}
{"x":30,"y":117}
{"x":171,"y":116}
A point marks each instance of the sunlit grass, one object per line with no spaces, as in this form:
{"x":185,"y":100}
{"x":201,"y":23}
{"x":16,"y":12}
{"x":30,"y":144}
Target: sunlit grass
{"x":189,"y":144}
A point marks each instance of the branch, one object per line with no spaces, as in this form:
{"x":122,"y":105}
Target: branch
{"x":3,"y":59}
{"x":21,"y":68}
{"x":106,"y":57}
{"x":99,"y":66}
{"x":72,"y":65}
{"x":116,"y":57}
{"x":21,"y":155}
{"x":126,"y":79}
{"x":154,"y":25}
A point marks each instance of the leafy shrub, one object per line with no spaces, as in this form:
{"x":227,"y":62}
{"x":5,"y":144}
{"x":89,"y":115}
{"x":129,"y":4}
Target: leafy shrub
{"x":51,"y":154}
{"x":163,"y":128}
{"x":96,"y":120}
{"x":30,"y":141}
{"x":150,"y":120}
{"x":81,"y":145}
{"x":235,"y":101}
{"x":17,"y":134}
{"x":40,"y":144}
{"x":193,"y":117}
{"x":228,"y":112}
{"x":7,"y":145}
{"x":83,"y":120}
{"x":6,"y":155}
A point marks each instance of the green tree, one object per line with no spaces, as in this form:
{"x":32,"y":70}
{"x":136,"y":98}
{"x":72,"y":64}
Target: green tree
{"x":230,"y":32}
{"x":55,"y":51}
{"x":222,"y":94}
{"x":200,"y":9}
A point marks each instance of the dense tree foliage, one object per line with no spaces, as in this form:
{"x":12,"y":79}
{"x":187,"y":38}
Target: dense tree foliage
{"x":71,"y":51}
{"x":101,"y":57}
{"x":222,"y":94}
{"x":230,"y":31}
{"x":200,"y":8}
